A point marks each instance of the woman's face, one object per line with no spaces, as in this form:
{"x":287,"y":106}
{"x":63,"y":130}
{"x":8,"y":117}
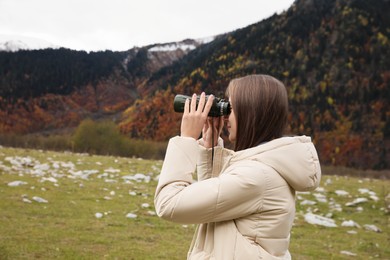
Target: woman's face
{"x":231,"y":124}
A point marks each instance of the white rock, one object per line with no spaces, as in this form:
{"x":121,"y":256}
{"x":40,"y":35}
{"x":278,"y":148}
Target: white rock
{"x":145,"y":205}
{"x":38,"y":172}
{"x":112,"y":170}
{"x":110,"y":181}
{"x":350,"y":223}
{"x":307,"y":202}
{"x":39,"y":199}
{"x":344,"y":252}
{"x":25,"y":200}
{"x":42,"y":167}
{"x":50,"y":179}
{"x":87,"y":173}
{"x":137,"y":177}
{"x":16,"y":183}
{"x":98,"y":215}
{"x":131,"y":215}
{"x":329,"y":215}
{"x":5,"y":168}
{"x":320,"y":197}
{"x":356,"y":201}
{"x":341,"y":192}
{"x":103,"y":175}
{"x":363,"y":190}
{"x":67,"y":165}
{"x":319,"y":220}
{"x":374,"y":197}
{"x":372,"y":228}
{"x":335,"y":207}
{"x":55,"y":165}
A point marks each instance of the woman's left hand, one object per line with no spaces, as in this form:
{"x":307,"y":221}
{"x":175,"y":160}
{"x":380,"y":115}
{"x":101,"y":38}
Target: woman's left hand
{"x":213,"y":126}
{"x":194,"y":118}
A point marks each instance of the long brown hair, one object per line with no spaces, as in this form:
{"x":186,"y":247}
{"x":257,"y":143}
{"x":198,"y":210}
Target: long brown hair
{"x":260,"y":106}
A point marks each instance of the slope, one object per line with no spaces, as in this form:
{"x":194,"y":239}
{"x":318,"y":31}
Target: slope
{"x":334,"y":58}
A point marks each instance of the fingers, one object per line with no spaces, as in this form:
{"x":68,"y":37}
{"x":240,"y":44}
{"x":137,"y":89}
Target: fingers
{"x":221,"y":123}
{"x":187,"y":106}
{"x":208,"y":105}
{"x":202,"y":107}
{"x":201,"y":102}
{"x":211,"y":131}
{"x":195,"y":116}
{"x":193,"y":103}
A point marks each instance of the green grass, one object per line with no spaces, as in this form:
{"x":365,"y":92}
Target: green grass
{"x":319,"y":242}
{"x":66,"y":226}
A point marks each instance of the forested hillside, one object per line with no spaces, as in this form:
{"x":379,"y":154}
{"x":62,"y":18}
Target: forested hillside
{"x":334,"y":58}
{"x":332,"y":55}
{"x":55,"y":89}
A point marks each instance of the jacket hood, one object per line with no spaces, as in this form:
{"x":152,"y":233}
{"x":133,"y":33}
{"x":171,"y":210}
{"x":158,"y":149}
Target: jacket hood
{"x":294,"y":158}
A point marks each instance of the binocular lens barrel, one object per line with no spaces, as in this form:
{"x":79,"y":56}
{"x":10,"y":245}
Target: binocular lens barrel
{"x":219,"y":108}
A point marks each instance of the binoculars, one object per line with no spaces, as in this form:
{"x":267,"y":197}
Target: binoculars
{"x":219,"y":108}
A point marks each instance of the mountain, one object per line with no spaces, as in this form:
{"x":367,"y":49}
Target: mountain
{"x":334,"y":58}
{"x":14,"y":43}
{"x":332,"y":55}
{"x":51,"y":89}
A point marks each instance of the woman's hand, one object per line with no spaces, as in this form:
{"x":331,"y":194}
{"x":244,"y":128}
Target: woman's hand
{"x":194,"y":118}
{"x":213,"y":125}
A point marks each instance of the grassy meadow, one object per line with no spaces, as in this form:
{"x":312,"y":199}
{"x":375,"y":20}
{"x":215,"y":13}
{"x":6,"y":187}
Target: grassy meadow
{"x":61,"y":205}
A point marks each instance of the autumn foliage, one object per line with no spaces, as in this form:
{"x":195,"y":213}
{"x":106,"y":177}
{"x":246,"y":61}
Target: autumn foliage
{"x":332,"y":55}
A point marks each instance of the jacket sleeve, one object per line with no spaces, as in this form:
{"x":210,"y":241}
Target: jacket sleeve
{"x":228,"y":196}
{"x":206,"y":167}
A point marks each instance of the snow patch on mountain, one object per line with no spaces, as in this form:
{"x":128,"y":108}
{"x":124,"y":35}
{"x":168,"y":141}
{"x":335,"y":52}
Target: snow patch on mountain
{"x":13,"y":43}
{"x":186,"y":45}
{"x":173,"y":47}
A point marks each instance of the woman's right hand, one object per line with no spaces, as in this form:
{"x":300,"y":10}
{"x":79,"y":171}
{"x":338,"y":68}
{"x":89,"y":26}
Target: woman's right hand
{"x":194,"y":118}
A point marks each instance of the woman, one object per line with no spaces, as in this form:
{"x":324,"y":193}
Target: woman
{"x":243,"y":201}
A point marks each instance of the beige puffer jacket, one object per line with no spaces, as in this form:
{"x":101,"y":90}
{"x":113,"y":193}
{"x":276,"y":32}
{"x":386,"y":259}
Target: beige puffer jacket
{"x":244,"y":203}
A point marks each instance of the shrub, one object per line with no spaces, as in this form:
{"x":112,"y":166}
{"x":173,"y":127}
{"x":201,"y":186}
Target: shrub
{"x":97,"y":137}
{"x":91,"y":137}
{"x":105,"y":138}
{"x":52,"y":142}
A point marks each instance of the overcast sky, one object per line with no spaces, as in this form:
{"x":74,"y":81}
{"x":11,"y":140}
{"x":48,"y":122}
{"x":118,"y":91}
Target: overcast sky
{"x":94,"y":25}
